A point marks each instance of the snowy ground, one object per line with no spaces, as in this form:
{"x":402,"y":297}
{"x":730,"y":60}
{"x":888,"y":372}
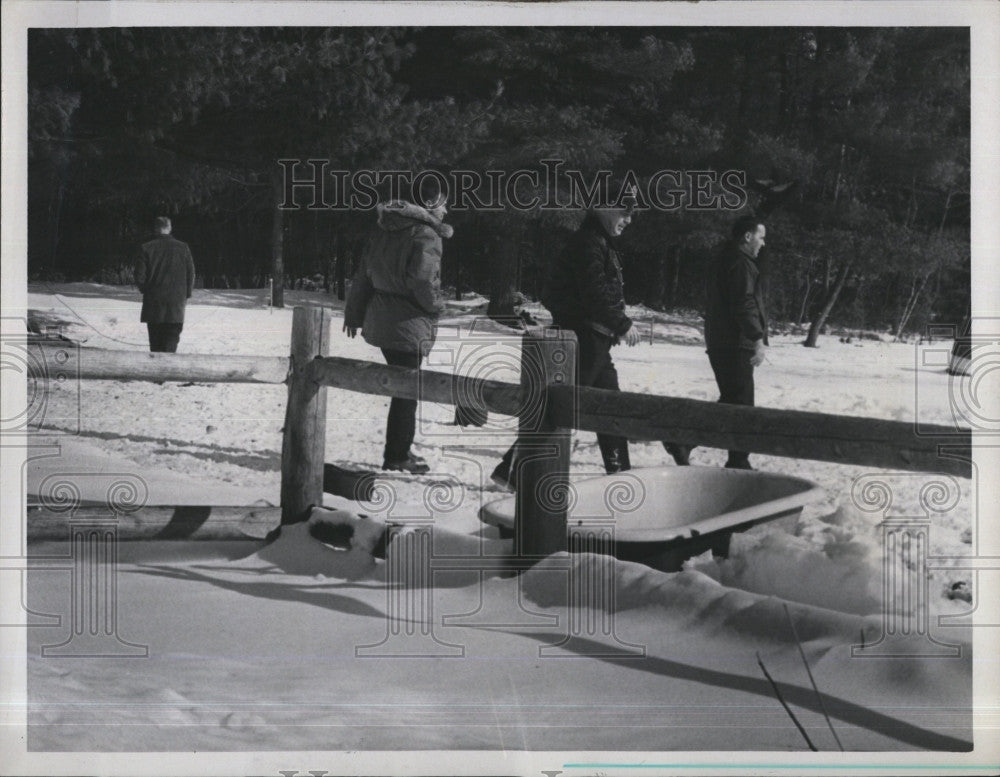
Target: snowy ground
{"x":215,"y":680}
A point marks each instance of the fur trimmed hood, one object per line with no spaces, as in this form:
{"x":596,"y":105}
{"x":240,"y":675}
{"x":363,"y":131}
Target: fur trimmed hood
{"x":396,"y":215}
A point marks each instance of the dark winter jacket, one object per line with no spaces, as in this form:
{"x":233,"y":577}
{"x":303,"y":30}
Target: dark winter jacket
{"x":395,"y":298}
{"x":164,"y":273}
{"x":584,"y":289}
{"x":735,"y":314}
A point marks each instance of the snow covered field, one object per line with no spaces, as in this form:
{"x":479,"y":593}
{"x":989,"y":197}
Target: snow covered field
{"x":254,"y":649}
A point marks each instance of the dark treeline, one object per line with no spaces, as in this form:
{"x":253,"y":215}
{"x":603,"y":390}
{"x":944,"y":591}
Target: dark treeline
{"x":855,"y":142}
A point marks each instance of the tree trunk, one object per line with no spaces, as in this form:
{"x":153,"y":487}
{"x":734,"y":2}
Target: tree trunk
{"x":805,"y":301}
{"x":503,"y":274}
{"x":518,"y":262}
{"x":220,"y":251}
{"x":341,"y":265}
{"x":654,"y":285}
{"x":239,"y":256}
{"x":831,"y":299}
{"x":676,"y":275}
{"x":277,"y":242}
{"x":457,"y":261}
{"x":784,"y":89}
{"x":840,"y":173}
{"x":317,"y":263}
{"x":804,"y":309}
{"x":911,"y":304}
{"x":54,"y":219}
{"x":745,"y":83}
{"x":912,"y":205}
{"x":815,"y":107}
{"x":944,"y":213}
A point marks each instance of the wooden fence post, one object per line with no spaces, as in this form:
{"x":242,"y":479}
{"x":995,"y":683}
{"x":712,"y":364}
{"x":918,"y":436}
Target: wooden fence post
{"x":303,"y":445}
{"x":542,"y":459}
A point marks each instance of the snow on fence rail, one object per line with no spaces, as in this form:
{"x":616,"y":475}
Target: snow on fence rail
{"x":549,"y":407}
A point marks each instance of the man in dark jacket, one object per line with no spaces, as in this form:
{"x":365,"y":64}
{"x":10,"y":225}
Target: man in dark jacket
{"x":395,"y":299}
{"x":736,"y":319}
{"x":584,"y":292}
{"x":164,"y":273}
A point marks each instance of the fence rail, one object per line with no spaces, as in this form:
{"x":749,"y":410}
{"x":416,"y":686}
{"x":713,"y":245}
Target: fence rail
{"x":426,"y":385}
{"x":794,"y":434}
{"x":101,"y":364}
{"x":549,"y":407}
{"x":789,"y":433}
{"x":156,"y":522}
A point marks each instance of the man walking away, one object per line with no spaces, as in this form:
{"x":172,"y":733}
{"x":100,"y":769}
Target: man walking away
{"x":164,"y":273}
{"x":736,"y":319}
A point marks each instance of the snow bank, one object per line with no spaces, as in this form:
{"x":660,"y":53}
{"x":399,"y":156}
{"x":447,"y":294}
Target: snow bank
{"x":232,"y":433}
{"x":832,"y":592}
{"x":842,"y":574}
{"x":323,"y":594}
{"x":691,"y":599}
{"x":297,"y":552}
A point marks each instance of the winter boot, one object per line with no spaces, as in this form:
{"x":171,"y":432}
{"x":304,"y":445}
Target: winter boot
{"x":681,"y":453}
{"x":738,"y":461}
{"x":412,"y":464}
{"x":616,"y":460}
{"x":503,"y":476}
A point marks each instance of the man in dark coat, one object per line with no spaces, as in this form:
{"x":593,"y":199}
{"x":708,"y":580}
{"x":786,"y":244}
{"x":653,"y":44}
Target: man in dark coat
{"x":736,"y":319}
{"x":395,"y":300}
{"x":164,"y":273}
{"x":584,"y":293}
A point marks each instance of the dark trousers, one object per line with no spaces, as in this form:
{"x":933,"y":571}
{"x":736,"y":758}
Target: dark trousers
{"x":734,"y":376}
{"x":595,"y":369}
{"x":402,"y":424}
{"x":163,"y":338}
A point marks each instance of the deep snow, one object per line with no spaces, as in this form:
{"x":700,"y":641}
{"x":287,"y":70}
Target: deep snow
{"x":255,"y":649}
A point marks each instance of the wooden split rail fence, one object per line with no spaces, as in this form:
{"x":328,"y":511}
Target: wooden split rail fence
{"x":548,"y":405}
